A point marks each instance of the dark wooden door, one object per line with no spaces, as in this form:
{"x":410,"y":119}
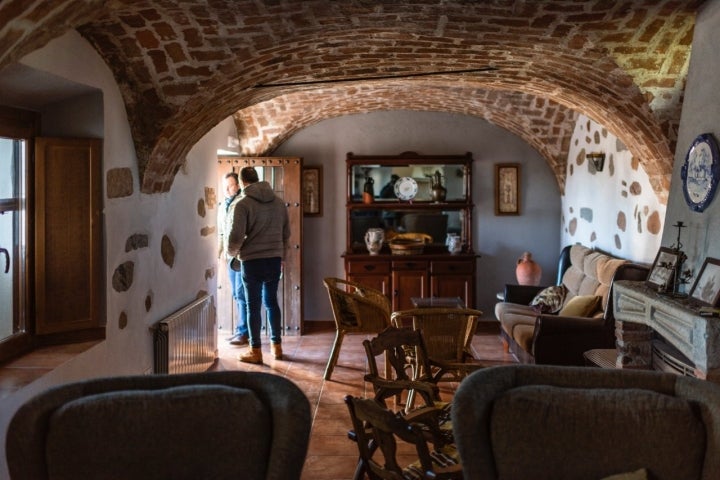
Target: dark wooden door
{"x":284,"y":175}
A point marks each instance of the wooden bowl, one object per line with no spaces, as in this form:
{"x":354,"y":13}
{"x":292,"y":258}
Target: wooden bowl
{"x":406,"y":246}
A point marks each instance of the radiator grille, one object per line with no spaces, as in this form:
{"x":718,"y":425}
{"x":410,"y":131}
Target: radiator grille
{"x":185,"y":341}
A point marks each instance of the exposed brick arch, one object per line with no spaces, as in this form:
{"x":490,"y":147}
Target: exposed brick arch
{"x":183,"y":66}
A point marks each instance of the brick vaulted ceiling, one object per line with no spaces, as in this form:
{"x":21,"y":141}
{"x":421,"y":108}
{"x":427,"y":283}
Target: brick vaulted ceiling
{"x":184,"y":66}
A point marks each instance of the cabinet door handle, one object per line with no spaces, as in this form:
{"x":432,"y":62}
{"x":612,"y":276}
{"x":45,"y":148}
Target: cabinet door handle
{"x":369,"y":268}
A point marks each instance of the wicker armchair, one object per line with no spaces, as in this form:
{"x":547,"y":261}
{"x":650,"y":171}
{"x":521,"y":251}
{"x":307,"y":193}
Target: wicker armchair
{"x":356,"y":309}
{"x":448,"y":334}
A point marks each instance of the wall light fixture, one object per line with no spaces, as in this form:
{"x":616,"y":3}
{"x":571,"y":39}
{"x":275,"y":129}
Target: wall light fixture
{"x":597,"y":159}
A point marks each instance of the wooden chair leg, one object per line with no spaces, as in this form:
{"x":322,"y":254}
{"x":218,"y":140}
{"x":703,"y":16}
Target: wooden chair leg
{"x":334,"y":353}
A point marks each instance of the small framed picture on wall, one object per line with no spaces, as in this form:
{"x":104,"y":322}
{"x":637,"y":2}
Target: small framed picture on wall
{"x":312,"y":191}
{"x":507,"y":189}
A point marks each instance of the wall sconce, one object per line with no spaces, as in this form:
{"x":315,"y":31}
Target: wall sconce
{"x":597,"y":159}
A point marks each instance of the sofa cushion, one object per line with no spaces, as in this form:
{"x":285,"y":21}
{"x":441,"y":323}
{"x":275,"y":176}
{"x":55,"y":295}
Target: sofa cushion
{"x":553,"y":430}
{"x":549,"y":300}
{"x":605,"y":273}
{"x":581,"y":306}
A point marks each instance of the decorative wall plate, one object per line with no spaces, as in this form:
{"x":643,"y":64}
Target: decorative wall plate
{"x":406,"y":188}
{"x":700,"y":172}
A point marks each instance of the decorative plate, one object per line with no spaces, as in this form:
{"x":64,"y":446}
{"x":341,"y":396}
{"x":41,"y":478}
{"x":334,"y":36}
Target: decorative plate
{"x":406,"y":188}
{"x":700,"y":172}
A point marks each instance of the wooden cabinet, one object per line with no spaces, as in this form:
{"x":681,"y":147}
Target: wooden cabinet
{"x":453,"y":278}
{"x":409,"y":279}
{"x":372,"y":202}
{"x":403,"y":277}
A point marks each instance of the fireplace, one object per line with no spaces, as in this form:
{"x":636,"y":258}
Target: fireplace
{"x":664,"y":333}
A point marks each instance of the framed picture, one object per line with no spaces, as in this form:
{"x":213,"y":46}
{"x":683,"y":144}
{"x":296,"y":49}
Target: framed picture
{"x":312,"y":191}
{"x":507,"y":189}
{"x":706,"y":289}
{"x":662,"y":273}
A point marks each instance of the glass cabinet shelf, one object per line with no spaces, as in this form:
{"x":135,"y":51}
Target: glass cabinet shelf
{"x":373,"y":200}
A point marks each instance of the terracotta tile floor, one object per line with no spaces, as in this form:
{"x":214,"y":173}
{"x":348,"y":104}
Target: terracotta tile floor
{"x":331,"y":454}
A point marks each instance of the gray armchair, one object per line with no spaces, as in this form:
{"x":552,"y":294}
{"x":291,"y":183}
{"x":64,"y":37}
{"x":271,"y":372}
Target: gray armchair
{"x":220,"y":425}
{"x":557,"y":422}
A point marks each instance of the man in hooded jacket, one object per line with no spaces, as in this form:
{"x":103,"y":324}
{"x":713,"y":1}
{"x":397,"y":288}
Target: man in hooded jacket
{"x":258,"y":237}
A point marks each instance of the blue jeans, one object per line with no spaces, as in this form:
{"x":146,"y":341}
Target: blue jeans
{"x":261,"y":277}
{"x":238,"y":294}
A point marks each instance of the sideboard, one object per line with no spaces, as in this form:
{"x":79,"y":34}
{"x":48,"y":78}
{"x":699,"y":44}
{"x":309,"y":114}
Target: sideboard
{"x":435,"y":272}
{"x":676,"y":320}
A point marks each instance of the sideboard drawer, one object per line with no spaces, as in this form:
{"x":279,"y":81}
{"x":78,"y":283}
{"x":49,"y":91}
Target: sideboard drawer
{"x":445,"y":268}
{"x":410,"y":265}
{"x":357,"y":267}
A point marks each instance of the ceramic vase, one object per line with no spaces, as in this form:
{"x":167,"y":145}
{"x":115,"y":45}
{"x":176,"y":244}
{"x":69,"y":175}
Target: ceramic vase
{"x":454,"y":243}
{"x":438,"y":191}
{"x":368,"y":190}
{"x":527,"y":271}
{"x":374,"y":238}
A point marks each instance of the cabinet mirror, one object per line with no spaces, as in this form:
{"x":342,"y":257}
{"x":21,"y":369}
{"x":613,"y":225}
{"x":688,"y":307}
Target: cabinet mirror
{"x":380,"y":180}
{"x":409,"y":193}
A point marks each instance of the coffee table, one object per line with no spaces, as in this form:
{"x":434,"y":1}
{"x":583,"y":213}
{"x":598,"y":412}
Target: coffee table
{"x":438,"y":302}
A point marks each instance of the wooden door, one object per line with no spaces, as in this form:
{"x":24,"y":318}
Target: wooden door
{"x":284,"y":175}
{"x":69,"y":271}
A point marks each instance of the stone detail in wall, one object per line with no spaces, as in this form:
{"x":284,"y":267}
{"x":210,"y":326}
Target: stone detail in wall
{"x":635,"y":188}
{"x":634,"y":345}
{"x":580,"y":158}
{"x":201,"y":208}
{"x":639,"y":223}
{"x":618,"y":242}
{"x":597,"y":137}
{"x":167,"y":251}
{"x":593,"y":237}
{"x":572,"y":227}
{"x":210,"y":197}
{"x":621,"y":221}
{"x":119,"y":183}
{"x":654,"y":223}
{"x":148,"y":300}
{"x":123,"y":277}
{"x":123,"y":320}
{"x":586,"y":214}
{"x":136,"y":241}
{"x":201,"y":294}
{"x":205,"y":231}
{"x":610,"y":164}
{"x":209,"y":273}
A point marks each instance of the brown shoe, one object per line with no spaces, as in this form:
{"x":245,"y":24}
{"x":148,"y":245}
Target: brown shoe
{"x":253,"y":355}
{"x":276,"y":350}
{"x":239,"y":340}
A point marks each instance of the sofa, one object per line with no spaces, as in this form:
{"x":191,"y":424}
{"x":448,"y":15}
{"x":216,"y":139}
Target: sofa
{"x":548,"y":422}
{"x":557,"y":324}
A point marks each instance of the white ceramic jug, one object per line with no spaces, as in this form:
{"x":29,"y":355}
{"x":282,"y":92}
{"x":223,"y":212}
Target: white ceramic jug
{"x":454,"y":243}
{"x":374,"y":239}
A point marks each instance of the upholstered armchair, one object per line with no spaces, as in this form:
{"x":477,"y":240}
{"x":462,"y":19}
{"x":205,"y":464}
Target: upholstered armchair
{"x":555,"y":422}
{"x":249,"y":425}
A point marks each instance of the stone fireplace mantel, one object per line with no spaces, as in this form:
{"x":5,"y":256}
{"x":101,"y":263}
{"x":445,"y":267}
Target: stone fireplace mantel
{"x":675,"y":320}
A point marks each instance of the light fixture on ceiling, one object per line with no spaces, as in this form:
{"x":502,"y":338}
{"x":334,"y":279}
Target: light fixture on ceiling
{"x":376,"y":77}
{"x":597,"y":159}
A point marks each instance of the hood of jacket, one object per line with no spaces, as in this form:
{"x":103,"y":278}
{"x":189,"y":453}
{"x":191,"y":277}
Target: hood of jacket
{"x":260,"y":191}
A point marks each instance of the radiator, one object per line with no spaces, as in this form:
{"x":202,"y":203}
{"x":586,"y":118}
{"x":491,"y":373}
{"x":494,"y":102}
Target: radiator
{"x":185,"y":341}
